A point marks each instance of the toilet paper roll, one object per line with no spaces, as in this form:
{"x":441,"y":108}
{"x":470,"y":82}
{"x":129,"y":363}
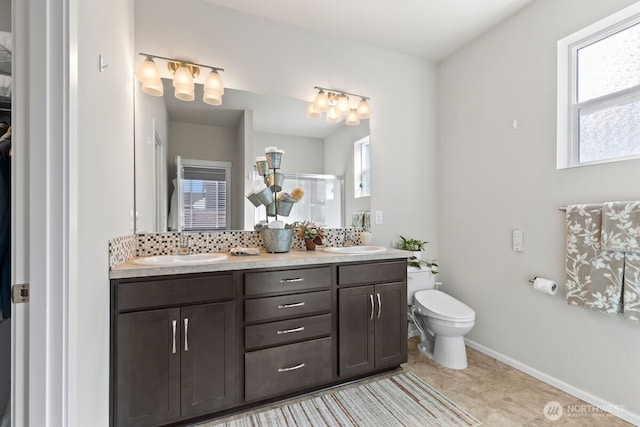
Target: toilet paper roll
{"x":546,"y":286}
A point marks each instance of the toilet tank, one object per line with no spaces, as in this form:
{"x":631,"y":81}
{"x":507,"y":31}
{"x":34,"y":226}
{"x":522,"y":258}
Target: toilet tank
{"x":418,"y":280}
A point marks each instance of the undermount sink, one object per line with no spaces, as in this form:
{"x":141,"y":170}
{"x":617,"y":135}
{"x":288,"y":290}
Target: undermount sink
{"x":178,"y":260}
{"x":355,"y":250}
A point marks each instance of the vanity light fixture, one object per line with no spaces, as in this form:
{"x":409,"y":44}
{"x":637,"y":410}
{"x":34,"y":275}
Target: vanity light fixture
{"x":335,"y":103}
{"x":184,"y":73}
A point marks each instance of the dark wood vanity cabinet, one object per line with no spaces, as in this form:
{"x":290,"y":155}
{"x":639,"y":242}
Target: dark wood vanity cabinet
{"x":373,"y":318}
{"x":177,"y":362}
{"x":193,"y":345}
{"x":288,"y":337}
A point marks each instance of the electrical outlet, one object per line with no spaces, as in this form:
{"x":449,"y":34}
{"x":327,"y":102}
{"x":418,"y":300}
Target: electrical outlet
{"x":379,"y":218}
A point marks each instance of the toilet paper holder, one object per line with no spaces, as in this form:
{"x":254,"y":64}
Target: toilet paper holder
{"x":550,"y":290}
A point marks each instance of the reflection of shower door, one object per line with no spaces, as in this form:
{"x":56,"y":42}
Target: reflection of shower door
{"x":159,"y":183}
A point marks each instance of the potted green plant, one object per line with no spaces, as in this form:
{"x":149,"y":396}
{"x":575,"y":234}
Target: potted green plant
{"x":310,"y":232}
{"x":417,"y":246}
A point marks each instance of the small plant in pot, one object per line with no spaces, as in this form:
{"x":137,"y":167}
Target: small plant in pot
{"x":417,"y":246}
{"x":310,"y":232}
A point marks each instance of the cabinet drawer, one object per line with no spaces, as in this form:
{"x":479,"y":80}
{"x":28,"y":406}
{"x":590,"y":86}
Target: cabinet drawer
{"x":272,"y":308}
{"x":175,"y":291}
{"x":368,"y":273}
{"x":286,"y":368}
{"x":285,"y":281}
{"x":286,"y":331}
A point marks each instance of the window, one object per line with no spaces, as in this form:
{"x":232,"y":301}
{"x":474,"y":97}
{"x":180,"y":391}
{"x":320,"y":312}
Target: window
{"x":203,"y":198}
{"x":599,"y":92}
{"x":361,"y":168}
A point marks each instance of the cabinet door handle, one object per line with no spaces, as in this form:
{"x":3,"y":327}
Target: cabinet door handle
{"x":186,"y":336}
{"x":288,"y":331}
{"x":295,"y":304}
{"x":174,"y":324}
{"x":379,"y":305}
{"x":291,"y":368}
{"x":372,"y":309}
{"x":297,"y":279}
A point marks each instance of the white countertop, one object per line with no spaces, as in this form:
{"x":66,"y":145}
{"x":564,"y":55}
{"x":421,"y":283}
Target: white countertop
{"x":244,"y":262}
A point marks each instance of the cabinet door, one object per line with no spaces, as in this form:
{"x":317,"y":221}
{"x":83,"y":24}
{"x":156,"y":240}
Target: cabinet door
{"x":356,"y":330}
{"x":208,"y":351}
{"x":390,"y":325}
{"x":148,"y":368}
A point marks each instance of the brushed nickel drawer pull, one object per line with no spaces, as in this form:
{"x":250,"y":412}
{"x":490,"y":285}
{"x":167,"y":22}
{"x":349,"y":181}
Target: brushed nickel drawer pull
{"x":174,"y":324}
{"x":291,"y":368}
{"x":288,"y":331}
{"x":371,"y":302}
{"x":295,"y":304}
{"x":379,"y":306}
{"x":297,"y":279}
{"x":186,"y":337}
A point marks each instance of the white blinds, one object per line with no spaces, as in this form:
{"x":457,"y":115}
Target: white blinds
{"x":204,"y":192}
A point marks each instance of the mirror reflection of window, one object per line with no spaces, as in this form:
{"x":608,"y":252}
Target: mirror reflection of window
{"x":362,"y":168}
{"x":203,"y":195}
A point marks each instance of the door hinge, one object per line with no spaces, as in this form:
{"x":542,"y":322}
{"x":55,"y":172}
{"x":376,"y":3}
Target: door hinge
{"x":20,"y":293}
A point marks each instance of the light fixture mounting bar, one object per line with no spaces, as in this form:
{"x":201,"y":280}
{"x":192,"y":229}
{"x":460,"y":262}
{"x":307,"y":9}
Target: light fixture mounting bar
{"x":148,"y":55}
{"x":341,"y":92}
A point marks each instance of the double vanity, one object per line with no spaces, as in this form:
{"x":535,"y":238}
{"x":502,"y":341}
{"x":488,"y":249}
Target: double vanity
{"x":197,"y":341}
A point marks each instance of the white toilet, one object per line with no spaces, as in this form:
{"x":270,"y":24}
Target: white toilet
{"x":441,"y":319}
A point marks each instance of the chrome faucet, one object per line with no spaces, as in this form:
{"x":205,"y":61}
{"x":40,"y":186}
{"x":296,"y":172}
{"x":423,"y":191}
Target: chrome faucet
{"x":184,"y":245}
{"x":347,"y":239}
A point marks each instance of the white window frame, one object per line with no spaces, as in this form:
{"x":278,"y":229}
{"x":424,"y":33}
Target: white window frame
{"x":568,"y":109}
{"x":358,"y":169}
{"x":180,"y":165}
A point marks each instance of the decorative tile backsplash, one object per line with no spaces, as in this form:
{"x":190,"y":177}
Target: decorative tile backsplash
{"x":121,"y":249}
{"x":149,"y":244}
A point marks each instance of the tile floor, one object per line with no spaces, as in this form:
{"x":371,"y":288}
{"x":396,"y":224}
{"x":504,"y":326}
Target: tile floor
{"x":493,"y":392}
{"x":499,"y":395}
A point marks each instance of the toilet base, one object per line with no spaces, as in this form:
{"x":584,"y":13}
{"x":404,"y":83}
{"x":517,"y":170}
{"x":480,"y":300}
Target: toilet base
{"x":450,"y":352}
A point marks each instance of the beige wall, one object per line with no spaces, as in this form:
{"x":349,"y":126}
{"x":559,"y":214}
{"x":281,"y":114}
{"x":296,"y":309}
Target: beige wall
{"x":493,"y":179}
{"x":102,"y":167}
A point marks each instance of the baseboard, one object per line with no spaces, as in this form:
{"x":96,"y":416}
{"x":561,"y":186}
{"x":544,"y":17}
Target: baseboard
{"x":567,"y":388}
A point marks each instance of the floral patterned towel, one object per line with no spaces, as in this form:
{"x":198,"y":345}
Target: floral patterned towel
{"x":594,"y":276}
{"x":631,"y":296}
{"x":621,"y":226}
{"x":621,"y":232}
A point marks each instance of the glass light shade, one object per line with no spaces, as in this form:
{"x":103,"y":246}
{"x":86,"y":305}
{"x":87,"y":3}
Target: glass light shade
{"x":184,"y":92}
{"x":153,"y":88}
{"x":148,"y":72}
{"x":182,"y":77}
{"x":342,"y":104}
{"x":352,"y":118}
{"x":364,"y":111}
{"x":332,"y":115}
{"x":212,"y":97}
{"x":149,"y":76}
{"x":312,"y":113}
{"x":321,"y":102}
{"x":213,"y":83}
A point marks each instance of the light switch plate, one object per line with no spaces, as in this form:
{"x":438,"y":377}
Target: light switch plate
{"x":517,"y":240}
{"x":379,"y":217}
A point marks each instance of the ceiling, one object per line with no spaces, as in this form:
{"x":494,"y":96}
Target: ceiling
{"x":429,"y":29}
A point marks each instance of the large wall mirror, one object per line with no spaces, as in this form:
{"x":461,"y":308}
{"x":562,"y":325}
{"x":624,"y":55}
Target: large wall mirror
{"x":234,"y":134}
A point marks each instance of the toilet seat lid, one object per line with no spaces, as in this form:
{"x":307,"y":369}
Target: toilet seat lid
{"x":442,"y":306}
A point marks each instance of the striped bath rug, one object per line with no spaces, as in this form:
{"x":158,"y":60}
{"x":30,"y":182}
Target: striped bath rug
{"x":400,"y":400}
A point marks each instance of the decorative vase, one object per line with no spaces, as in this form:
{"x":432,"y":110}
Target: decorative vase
{"x":310,"y":244}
